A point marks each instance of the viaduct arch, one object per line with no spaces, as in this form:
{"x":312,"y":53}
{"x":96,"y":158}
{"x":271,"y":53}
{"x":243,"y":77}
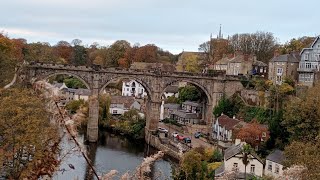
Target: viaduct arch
{"x":154,"y":81}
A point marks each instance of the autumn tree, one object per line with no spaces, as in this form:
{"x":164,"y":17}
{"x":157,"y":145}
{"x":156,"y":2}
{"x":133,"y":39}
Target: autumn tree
{"x":147,"y":53}
{"x":63,"y":51}
{"x":80,"y":56}
{"x":261,"y":44}
{"x":302,"y":116}
{"x":115,"y":52}
{"x":253,"y":133}
{"x":7,"y":60}
{"x":41,"y":52}
{"x":306,"y":154}
{"x":296,"y":45}
{"x":27,"y":136}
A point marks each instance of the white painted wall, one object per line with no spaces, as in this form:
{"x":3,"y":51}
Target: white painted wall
{"x":229,"y":165}
{"x":272,"y":171}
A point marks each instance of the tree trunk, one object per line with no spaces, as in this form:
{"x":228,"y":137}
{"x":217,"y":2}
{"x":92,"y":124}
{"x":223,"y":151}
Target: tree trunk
{"x":245,"y":172}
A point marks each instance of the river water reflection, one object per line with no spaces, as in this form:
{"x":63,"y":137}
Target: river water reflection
{"x":113,"y":152}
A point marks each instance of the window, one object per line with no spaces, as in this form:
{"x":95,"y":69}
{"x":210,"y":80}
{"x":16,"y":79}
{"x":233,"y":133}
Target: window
{"x":114,"y":111}
{"x":277,"y":169}
{"x":279,"y":79}
{"x":252,"y":168}
{"x":308,"y":65}
{"x":270,"y":166}
{"x":235,"y":165}
{"x":306,"y":56}
{"x":279,"y":71}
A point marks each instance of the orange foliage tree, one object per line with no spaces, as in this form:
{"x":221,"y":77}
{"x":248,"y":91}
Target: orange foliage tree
{"x":253,"y":133}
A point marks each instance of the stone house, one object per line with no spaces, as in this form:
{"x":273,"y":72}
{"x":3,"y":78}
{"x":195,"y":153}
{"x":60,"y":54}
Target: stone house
{"x":121,"y":104}
{"x":222,"y":64}
{"x":240,"y":64}
{"x":233,"y":163}
{"x":274,"y":164}
{"x":190,"y":113}
{"x":309,"y":65}
{"x":259,"y":68}
{"x":281,"y":66}
{"x":169,"y":108}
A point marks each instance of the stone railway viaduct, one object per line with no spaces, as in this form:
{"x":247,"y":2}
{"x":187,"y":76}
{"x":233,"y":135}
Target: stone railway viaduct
{"x":154,"y":81}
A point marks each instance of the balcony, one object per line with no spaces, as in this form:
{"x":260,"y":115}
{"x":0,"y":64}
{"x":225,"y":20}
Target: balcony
{"x":306,"y":69}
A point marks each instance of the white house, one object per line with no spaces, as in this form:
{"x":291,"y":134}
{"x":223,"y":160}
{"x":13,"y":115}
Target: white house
{"x":309,"y":65}
{"x":121,"y":104}
{"x":224,"y":126}
{"x":233,"y":163}
{"x":274,"y":164}
{"x":133,"y":88}
{"x":57,"y":87}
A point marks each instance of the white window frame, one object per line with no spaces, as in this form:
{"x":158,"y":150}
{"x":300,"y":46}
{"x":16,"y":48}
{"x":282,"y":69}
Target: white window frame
{"x":279,"y":71}
{"x":306,"y":56}
{"x":270,"y":166}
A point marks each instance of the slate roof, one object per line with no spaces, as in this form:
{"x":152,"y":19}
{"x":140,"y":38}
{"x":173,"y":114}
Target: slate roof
{"x":259,"y":63}
{"x":194,"y":104}
{"x":223,"y":61}
{"x":240,"y":58}
{"x":127,"y":101}
{"x":236,"y":149}
{"x":229,"y":123}
{"x":286,"y":58}
{"x":57,"y":85}
{"x":186,"y":115}
{"x":84,"y":92}
{"x":171,"y":106}
{"x":276,"y":156}
{"x":172,"y":89}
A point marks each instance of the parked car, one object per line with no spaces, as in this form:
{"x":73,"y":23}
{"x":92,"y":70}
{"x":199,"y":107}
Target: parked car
{"x":175,"y":134}
{"x":187,"y":140}
{"x":163,"y":130}
{"x":197,"y":134}
{"x":180,"y":137}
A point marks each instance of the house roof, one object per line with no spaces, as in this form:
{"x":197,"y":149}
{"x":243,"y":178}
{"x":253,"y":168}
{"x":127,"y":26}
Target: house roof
{"x":276,"y":156}
{"x":172,"y":89}
{"x":57,"y":85}
{"x":312,"y":45}
{"x":190,"y":103}
{"x":236,"y":149}
{"x":84,"y":92}
{"x":286,"y":58}
{"x":229,"y":123}
{"x":241,"y":58}
{"x":127,"y":101}
{"x":171,"y":106}
{"x":259,"y":63}
{"x":186,"y":115}
{"x":223,"y":61}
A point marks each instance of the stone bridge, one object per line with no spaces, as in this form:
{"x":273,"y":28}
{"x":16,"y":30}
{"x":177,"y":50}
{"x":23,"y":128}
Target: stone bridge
{"x":154,"y":81}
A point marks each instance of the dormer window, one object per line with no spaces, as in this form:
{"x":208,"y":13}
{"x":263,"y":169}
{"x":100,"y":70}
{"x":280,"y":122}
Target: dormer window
{"x":306,"y":57}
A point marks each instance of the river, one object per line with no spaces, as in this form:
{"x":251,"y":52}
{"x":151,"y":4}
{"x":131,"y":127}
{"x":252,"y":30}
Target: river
{"x":112,"y":152}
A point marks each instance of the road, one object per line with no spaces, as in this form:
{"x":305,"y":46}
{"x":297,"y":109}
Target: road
{"x":195,"y":142}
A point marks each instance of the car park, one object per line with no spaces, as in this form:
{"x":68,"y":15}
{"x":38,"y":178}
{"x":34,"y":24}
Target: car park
{"x":162,"y":130}
{"x":180,"y":137}
{"x":187,"y":140}
{"x":174,"y":134}
{"x":197,"y":134}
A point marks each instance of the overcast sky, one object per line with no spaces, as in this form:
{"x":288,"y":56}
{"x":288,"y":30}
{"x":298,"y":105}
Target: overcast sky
{"x":173,"y":25}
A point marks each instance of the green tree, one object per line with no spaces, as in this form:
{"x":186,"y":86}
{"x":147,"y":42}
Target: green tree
{"x":74,"y":105}
{"x":80,"y":56}
{"x":225,"y":106}
{"x":217,"y":156}
{"x":72,"y":82}
{"x":189,"y":93}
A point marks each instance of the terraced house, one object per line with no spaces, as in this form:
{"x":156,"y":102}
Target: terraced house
{"x":309,"y":64}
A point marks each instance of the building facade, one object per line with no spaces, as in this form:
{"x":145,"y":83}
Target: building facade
{"x":133,"y":88}
{"x":283,"y":66}
{"x":224,"y":126}
{"x":309,"y":64}
{"x":274,"y":164}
